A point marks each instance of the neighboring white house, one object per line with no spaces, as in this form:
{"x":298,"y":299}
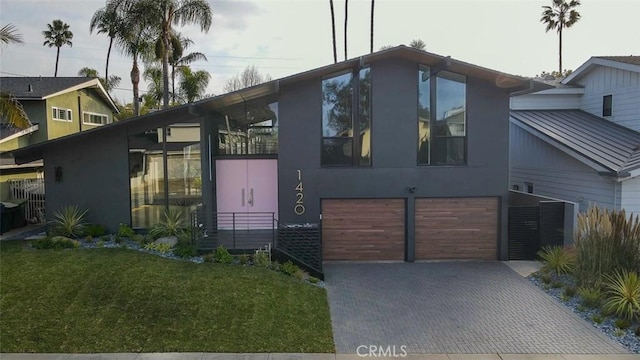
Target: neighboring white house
{"x":580,"y":141}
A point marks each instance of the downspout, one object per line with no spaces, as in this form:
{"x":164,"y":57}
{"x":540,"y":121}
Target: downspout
{"x":79,"y":111}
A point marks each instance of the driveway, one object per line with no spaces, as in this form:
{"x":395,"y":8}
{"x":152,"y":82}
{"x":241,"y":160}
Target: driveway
{"x":452,"y":307}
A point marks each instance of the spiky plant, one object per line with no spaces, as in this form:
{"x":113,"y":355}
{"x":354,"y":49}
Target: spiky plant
{"x":171,"y":223}
{"x":623,"y":294}
{"x":69,"y":221}
{"x":557,"y":259}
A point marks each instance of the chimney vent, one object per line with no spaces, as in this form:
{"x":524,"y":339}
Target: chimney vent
{"x":30,"y":88}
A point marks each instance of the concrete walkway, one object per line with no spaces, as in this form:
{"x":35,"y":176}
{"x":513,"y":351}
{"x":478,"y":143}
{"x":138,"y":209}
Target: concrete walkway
{"x":213,"y":356}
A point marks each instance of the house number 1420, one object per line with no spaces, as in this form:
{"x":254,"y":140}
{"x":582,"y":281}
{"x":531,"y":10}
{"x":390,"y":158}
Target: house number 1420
{"x":298,"y":208}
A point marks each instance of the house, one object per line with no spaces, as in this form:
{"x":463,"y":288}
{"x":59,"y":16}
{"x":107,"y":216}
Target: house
{"x":580,"y":141}
{"x":56,"y":107}
{"x":395,"y":155}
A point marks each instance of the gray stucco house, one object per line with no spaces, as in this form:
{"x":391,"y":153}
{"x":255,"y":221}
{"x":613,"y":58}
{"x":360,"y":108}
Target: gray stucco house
{"x":580,"y":141}
{"x":397,"y":155}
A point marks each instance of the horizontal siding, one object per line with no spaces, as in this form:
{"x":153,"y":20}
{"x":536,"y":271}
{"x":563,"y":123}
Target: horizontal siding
{"x":545,"y":102}
{"x":631,"y":195}
{"x":625,"y":88}
{"x":556,"y":174}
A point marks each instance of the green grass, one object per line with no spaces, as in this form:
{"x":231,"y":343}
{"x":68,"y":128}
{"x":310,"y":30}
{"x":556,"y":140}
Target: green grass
{"x":116,"y":300}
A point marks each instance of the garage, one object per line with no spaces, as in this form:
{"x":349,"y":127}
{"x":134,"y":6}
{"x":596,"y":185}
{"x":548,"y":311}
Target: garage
{"x":363,"y":229}
{"x":456,"y":228}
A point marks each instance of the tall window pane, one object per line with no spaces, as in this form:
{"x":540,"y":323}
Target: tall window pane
{"x":424,"y":115}
{"x":365,"y":116}
{"x":337,"y":120}
{"x":450,"y":126}
{"x":146,"y":176}
{"x":184,"y":167}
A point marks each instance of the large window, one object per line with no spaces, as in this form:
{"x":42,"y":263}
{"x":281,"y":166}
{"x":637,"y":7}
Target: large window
{"x":90,"y":118}
{"x":341,"y":145}
{"x":252,"y":131}
{"x":441,"y":128}
{"x":61,"y":114}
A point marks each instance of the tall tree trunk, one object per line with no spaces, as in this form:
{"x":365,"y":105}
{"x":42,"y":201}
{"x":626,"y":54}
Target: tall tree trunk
{"x":55,"y":74}
{"x":373,"y":3}
{"x":173,"y":83}
{"x":560,"y":51}
{"x":346,"y":16}
{"x":165,"y":68}
{"x":333,"y":31}
{"x":135,"y":80}
{"x":106,"y":69}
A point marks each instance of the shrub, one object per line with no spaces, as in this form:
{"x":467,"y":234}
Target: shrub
{"x":619,"y":332}
{"x":94,"y":230}
{"x":591,"y":296}
{"x":88,"y":238}
{"x":313,"y":280}
{"x":598,"y":319}
{"x":556,"y":285}
{"x":56,"y":242}
{"x":605,"y":242}
{"x":622,"y":324}
{"x":208,"y":258}
{"x":125,"y":231}
{"x":557,"y":259}
{"x":171,"y":224}
{"x":289,"y":268}
{"x":623,"y":294}
{"x":570,"y":291}
{"x":545,"y":278}
{"x":222,"y":256}
{"x":261,"y":259}
{"x":244,"y":259}
{"x":69,"y":221}
{"x":300,"y":274}
{"x":185,"y":249}
{"x":161,"y":248}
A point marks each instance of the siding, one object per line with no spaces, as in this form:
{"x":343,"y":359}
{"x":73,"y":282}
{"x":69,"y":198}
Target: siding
{"x":625,"y":88}
{"x":545,"y":102}
{"x":631,"y":195}
{"x":556,"y":174}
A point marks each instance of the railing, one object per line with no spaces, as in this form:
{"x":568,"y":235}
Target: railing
{"x":301,"y":243}
{"x":232,"y":230}
{"x":31,"y":190}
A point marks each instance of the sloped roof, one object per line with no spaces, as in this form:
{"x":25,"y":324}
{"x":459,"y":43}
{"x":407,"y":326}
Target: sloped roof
{"x":591,"y":139}
{"x":634,"y":60}
{"x":628,"y":63}
{"x":40,"y":88}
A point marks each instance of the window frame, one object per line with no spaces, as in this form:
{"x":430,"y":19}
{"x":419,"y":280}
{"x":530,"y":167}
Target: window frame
{"x":89,"y":113}
{"x":433,"y":101}
{"x":607,"y":111}
{"x":55,"y":111}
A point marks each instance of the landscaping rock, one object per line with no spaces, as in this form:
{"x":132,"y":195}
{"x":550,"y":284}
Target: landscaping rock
{"x":171,"y":240}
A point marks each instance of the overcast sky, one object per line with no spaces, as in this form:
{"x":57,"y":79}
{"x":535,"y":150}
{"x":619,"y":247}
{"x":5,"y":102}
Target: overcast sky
{"x":289,"y":36}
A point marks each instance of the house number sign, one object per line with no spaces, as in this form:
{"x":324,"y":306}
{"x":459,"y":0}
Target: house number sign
{"x":298,"y":208}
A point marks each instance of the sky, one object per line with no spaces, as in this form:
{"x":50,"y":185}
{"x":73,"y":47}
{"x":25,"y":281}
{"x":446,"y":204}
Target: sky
{"x":284,"y":37}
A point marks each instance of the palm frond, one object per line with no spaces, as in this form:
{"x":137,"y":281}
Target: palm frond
{"x":12,"y":112}
{"x":9,"y":34}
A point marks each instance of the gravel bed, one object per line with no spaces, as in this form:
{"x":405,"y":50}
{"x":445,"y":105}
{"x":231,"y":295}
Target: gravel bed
{"x":628,"y":339}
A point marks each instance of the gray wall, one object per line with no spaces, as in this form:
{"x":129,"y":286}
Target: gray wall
{"x":394,"y":147}
{"x":95,"y":176}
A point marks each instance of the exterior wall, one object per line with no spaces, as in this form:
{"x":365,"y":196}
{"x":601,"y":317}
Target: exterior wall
{"x":57,"y":128}
{"x":538,"y":101}
{"x":631,"y":195}
{"x":96,"y":178}
{"x":556,"y":174}
{"x":623,"y":85}
{"x":394,"y":148}
{"x":16,"y":143}
{"x":90,"y":101}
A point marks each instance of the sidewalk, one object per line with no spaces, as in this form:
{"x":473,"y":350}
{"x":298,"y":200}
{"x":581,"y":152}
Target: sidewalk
{"x":215,"y":356}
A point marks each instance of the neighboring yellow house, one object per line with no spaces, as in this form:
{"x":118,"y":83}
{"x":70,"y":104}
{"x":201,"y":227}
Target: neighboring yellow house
{"x":56,"y":106}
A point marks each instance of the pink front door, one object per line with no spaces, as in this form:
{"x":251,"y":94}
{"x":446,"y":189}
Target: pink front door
{"x":244,"y":187}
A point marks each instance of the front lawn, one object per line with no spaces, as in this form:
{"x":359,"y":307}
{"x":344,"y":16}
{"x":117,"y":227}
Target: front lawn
{"x":117,"y":300}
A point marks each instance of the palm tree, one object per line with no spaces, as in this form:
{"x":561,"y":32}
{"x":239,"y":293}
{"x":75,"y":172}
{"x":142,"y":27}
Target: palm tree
{"x":373,"y":4}
{"x":333,"y":31}
{"x":153,"y":75}
{"x":108,"y":84}
{"x":346,"y":15}
{"x":135,"y":41}
{"x":57,"y":35}
{"x":9,"y":35}
{"x":107,"y":20}
{"x":177,"y":59}
{"x":163,"y":15}
{"x":193,"y":84}
{"x":558,"y":16}
{"x":418,"y":44}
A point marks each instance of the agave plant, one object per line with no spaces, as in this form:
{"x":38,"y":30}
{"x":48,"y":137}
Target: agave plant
{"x":557,"y":259}
{"x":623,"y":294}
{"x":69,"y":221}
{"x":171,"y":224}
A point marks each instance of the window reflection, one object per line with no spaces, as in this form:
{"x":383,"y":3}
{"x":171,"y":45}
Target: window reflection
{"x":336,"y":106}
{"x":424,"y":114}
{"x":255,"y":132}
{"x":365,"y":116}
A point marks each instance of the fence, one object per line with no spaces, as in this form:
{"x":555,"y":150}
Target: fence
{"x":31,"y":190}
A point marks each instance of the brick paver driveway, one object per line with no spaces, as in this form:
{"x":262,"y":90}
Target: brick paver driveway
{"x":452,"y":307}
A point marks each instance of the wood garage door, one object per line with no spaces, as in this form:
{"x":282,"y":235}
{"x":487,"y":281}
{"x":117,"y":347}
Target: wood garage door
{"x":363,"y":229}
{"x":456,"y":228}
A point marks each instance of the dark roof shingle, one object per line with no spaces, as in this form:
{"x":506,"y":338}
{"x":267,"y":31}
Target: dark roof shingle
{"x":634,"y":60}
{"x":40,"y":86}
{"x":614,"y":147}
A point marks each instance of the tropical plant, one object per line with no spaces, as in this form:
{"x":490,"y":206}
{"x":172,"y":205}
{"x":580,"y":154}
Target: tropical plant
{"x":333,"y":31}
{"x":125,"y":231}
{"x":9,"y":35}
{"x":109,"y":84}
{"x":605,"y":241}
{"x":178,"y":59}
{"x":69,"y":221}
{"x":622,"y":292}
{"x":193,"y":84}
{"x":13,"y":112}
{"x":590,"y":296}
{"x":418,"y":44}
{"x":171,"y":223}
{"x":108,"y":20}
{"x":250,"y":76}
{"x":557,"y":259}
{"x":154,"y":95}
{"x":561,"y":14}
{"x":162,"y":15}
{"x":57,"y":35}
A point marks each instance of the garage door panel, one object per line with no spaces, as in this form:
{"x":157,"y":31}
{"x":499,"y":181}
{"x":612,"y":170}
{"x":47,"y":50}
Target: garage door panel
{"x":460,"y":228}
{"x":363,"y":229}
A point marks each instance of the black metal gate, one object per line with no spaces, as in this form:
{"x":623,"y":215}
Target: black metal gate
{"x":533,"y":227}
